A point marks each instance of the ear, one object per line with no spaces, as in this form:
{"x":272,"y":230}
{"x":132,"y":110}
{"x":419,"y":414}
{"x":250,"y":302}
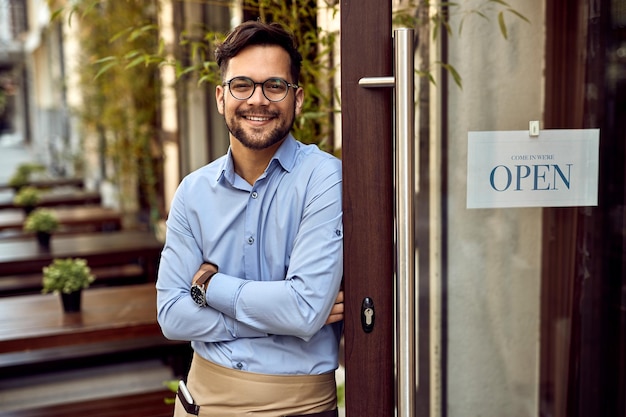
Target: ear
{"x":299,"y":99}
{"x":219,"y":98}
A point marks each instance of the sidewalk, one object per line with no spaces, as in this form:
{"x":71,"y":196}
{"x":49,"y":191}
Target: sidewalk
{"x":12,"y":153}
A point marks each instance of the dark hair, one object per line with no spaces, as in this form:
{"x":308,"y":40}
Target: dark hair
{"x":258,"y":33}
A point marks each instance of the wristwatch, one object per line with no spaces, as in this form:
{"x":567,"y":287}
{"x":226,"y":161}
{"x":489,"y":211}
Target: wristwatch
{"x":198,"y":289}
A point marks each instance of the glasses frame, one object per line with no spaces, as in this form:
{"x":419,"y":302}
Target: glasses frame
{"x":262,"y":84}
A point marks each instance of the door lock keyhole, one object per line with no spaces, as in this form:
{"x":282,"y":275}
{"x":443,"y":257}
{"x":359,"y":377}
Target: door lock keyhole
{"x":367,"y":315}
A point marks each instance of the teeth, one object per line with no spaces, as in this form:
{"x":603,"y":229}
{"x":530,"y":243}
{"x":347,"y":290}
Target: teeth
{"x":258,"y":119}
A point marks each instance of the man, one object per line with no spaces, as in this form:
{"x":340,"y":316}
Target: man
{"x":252,"y":264}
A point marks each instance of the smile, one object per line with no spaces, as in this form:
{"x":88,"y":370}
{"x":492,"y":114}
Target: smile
{"x":257,"y":118}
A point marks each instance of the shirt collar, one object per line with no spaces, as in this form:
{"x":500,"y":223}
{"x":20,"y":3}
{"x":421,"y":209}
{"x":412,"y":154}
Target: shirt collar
{"x":285,"y":155}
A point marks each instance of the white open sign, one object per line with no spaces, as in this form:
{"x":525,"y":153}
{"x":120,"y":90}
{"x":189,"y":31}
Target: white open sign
{"x":557,"y":168}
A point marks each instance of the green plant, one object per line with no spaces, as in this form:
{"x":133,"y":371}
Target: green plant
{"x":137,"y":47}
{"x":18,"y":180}
{"x":22,"y":175}
{"x":66,"y":276}
{"x":41,"y":220}
{"x":426,"y":16}
{"x":172,"y":385}
{"x":341,"y":395}
{"x":27,"y":197}
{"x":316,"y":45}
{"x":119,"y":115}
{"x":124,"y":50}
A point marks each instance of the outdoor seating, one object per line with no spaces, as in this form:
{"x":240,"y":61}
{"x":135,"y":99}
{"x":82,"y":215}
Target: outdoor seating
{"x":71,"y":220}
{"x":114,"y":321}
{"x":61,"y":198}
{"x":26,"y":256}
{"x":144,"y":404}
{"x":49,"y":183}
{"x":105,"y":276}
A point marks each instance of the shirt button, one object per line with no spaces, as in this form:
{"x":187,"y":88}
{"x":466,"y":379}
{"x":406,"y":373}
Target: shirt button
{"x":250,"y":240}
{"x":239,"y":365}
{"x":254,"y":194}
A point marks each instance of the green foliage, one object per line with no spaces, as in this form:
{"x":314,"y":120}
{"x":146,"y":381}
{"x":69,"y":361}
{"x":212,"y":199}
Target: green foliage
{"x":172,"y":385}
{"x":29,"y":168}
{"x":439,"y":14}
{"x":195,"y":56}
{"x":27,"y":197}
{"x":41,"y":220}
{"x":23,"y":173}
{"x":66,"y":276}
{"x":414,"y":13}
{"x":18,"y":180}
{"x":3,"y":100}
{"x":124,"y":51}
{"x":341,"y":395}
{"x":120,"y":110}
{"x":316,"y":46}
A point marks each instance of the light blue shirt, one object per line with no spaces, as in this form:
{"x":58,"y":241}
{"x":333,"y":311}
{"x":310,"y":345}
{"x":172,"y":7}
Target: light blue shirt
{"x":278,"y":245}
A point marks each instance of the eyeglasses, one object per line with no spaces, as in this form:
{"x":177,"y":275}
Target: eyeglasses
{"x":274,"y":89}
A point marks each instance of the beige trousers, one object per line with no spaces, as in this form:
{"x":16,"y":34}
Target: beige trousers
{"x":225,"y":392}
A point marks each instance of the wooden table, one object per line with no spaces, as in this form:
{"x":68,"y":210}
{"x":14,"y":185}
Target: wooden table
{"x":33,"y":322}
{"x":50,"y":183}
{"x":65,"y":198}
{"x":34,"y":330}
{"x":101,"y":218}
{"x":24,"y":255}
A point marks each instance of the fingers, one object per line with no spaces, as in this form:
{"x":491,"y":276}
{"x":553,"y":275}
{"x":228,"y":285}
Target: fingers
{"x":336,"y":313}
{"x":337,"y":309}
{"x":334,"y":318}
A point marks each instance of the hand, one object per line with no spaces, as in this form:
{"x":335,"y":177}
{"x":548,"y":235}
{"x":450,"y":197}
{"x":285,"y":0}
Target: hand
{"x":336,"y":313}
{"x":203,"y":268}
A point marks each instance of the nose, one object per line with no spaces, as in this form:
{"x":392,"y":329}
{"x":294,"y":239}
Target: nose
{"x":258,"y":97}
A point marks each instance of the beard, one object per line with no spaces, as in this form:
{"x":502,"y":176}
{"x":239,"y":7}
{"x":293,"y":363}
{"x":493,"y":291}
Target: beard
{"x":259,"y":138}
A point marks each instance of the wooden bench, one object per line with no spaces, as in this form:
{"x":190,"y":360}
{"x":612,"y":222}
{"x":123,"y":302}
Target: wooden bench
{"x":24,"y":256}
{"x":115,"y":321}
{"x":12,"y":285}
{"x":33,"y":322}
{"x":150,"y":404}
{"x":50,"y":183}
{"x":71,"y":219}
{"x":52,"y":199}
{"x":34,"y":328}
{"x":174,"y":353}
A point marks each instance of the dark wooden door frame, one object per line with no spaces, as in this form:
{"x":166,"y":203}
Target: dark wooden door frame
{"x":584,"y":257}
{"x":366,"y":51}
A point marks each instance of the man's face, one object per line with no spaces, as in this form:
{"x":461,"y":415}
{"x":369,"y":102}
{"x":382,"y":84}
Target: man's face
{"x":257,"y":122}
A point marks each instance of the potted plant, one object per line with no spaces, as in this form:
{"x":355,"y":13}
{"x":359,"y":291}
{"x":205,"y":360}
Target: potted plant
{"x":22,"y":174}
{"x":28,"y":197}
{"x":67,"y":277}
{"x":43,"y":222}
{"x":18,"y":180}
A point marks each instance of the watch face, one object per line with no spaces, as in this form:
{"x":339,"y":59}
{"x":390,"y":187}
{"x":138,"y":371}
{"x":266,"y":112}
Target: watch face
{"x":198,"y":295}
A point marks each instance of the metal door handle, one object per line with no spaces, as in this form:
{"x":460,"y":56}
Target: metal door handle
{"x":403,"y":81}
